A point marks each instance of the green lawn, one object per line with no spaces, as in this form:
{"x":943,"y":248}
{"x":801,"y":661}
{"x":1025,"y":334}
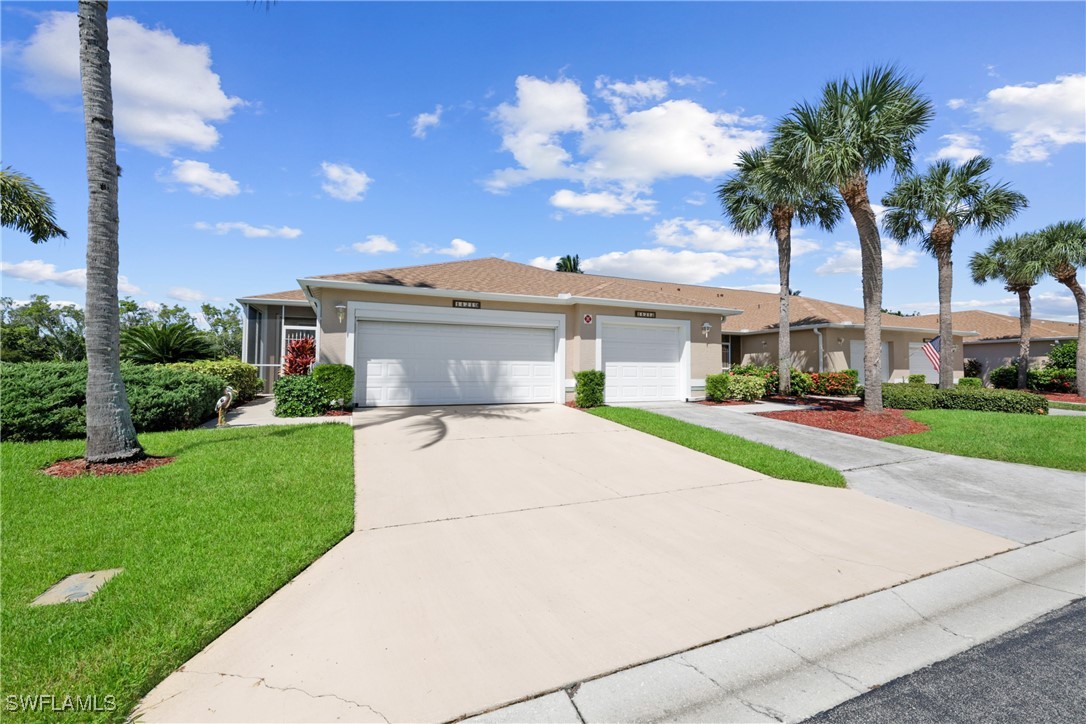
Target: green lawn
{"x":202,"y":540}
{"x":1067,"y":405}
{"x":1048,"y":441}
{"x":756,"y":456}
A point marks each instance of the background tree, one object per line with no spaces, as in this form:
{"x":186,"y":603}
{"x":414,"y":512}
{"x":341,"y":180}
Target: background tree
{"x":1060,"y":250}
{"x":25,"y":207}
{"x":1003,"y":261}
{"x":931,"y":208}
{"x":860,"y":126}
{"x":162,"y":343}
{"x":569,"y":264}
{"x":111,"y":437}
{"x":225,"y":328}
{"x":40,"y":331}
{"x":764,"y":194}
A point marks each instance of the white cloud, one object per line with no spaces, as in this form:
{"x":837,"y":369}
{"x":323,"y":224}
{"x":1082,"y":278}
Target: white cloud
{"x":248,"y":230}
{"x":164,"y":91}
{"x":39,"y":271}
{"x":185,"y":294}
{"x":545,"y":262}
{"x":425,"y":121}
{"x":956,"y":103}
{"x":375,"y":244}
{"x":201,"y":179}
{"x":458,"y":248}
{"x":958,"y":147}
{"x":847,"y":258}
{"x":691,"y":267}
{"x":696,"y":199}
{"x":696,"y":81}
{"x":343,"y":182}
{"x":621,"y":95}
{"x":712,"y":235}
{"x":767,"y":288}
{"x":604,"y":203}
{"x":1040,"y":119}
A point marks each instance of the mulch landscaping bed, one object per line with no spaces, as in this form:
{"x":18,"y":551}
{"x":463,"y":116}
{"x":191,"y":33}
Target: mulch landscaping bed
{"x":1065,"y":397}
{"x":337,"y":413}
{"x":852,"y":419}
{"x":79,"y":466}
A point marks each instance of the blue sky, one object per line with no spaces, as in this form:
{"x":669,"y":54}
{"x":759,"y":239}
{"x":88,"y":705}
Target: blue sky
{"x":313,"y":138}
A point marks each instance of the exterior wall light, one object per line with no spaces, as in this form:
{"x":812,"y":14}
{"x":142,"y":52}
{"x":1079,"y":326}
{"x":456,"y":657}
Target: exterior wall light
{"x":341,"y":312}
{"x":706,"y":328}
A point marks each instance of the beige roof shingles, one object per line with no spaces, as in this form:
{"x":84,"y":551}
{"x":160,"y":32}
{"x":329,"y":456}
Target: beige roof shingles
{"x":992,"y":326}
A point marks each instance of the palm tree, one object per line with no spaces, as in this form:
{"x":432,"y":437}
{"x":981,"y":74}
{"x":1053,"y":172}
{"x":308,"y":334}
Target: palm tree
{"x":111,"y":436}
{"x":763,"y":194}
{"x":569,"y":264}
{"x":860,"y":126}
{"x":25,"y":207}
{"x":162,"y":343}
{"x":1002,"y":261}
{"x":932,"y":208}
{"x":1060,"y":250}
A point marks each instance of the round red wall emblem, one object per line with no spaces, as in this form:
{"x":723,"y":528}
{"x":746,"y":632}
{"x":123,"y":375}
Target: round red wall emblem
{"x":588,"y":319}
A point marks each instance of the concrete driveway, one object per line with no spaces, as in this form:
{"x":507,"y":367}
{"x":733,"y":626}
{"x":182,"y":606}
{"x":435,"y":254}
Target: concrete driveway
{"x":502,"y":552}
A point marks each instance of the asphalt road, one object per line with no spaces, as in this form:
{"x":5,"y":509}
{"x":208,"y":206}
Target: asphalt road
{"x":1036,"y":673}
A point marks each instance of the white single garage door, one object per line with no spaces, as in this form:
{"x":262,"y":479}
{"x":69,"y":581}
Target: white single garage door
{"x":415,"y":363}
{"x":641,"y":362}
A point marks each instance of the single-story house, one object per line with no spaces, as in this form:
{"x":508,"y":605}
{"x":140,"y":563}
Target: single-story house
{"x":996,"y":343}
{"x":493,"y":331}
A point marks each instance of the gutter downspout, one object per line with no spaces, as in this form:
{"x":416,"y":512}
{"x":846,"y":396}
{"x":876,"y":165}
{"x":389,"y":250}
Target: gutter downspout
{"x":818,"y":333}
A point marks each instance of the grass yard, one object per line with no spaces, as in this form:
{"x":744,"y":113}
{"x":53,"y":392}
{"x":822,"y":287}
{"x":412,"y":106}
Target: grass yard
{"x":756,"y":456}
{"x":202,"y":540}
{"x":1066,"y":405}
{"x":1048,"y":441}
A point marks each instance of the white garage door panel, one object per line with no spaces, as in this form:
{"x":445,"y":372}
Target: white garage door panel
{"x":412,"y":363}
{"x":641,"y":363}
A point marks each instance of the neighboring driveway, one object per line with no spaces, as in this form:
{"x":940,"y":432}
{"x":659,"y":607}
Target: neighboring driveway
{"x":1020,"y":502}
{"x":503,"y":552}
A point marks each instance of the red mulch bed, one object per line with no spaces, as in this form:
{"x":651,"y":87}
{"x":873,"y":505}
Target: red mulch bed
{"x":853,"y":420}
{"x":79,"y":466}
{"x":1065,"y":397}
{"x":337,"y":413}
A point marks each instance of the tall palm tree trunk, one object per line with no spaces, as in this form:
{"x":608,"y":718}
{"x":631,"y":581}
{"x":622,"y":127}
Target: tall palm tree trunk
{"x":1068,"y":278}
{"x":782,"y":224}
{"x":111,"y":437}
{"x":859,"y":205}
{"x":946,"y":320}
{"x":1025,"y":321}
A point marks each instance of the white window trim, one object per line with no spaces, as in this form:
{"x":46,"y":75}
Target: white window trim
{"x":683,"y":328}
{"x":384,"y":312}
{"x":283,"y":340}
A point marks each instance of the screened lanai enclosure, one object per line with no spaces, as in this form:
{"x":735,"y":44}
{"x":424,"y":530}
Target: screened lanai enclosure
{"x":269,"y":326}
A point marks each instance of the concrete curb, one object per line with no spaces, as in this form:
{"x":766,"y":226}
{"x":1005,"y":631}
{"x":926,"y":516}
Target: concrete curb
{"x":800,"y":667}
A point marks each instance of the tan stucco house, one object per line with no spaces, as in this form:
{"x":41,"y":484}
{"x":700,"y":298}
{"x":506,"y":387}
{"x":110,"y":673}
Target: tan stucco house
{"x":493,"y":331}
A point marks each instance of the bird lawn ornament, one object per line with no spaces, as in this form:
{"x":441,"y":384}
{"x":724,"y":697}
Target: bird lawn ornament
{"x":224,"y":404}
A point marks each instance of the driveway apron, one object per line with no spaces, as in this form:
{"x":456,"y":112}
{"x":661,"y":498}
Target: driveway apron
{"x":503,"y":552}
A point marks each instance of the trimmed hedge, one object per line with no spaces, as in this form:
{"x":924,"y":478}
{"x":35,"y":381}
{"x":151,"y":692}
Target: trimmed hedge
{"x":716,"y":387}
{"x":1043,"y":379}
{"x":970,"y":382}
{"x":244,"y":378}
{"x":589,"y":390}
{"x":747,"y":387}
{"x":300,"y":396}
{"x":834,"y":383}
{"x":338,"y":383}
{"x":918,"y":379}
{"x":47,"y":400}
{"x":903,"y":396}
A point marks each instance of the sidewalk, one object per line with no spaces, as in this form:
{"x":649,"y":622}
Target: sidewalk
{"x":1020,"y":502}
{"x":261,"y":411}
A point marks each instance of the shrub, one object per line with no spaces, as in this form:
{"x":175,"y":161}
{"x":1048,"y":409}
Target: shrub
{"x":925,"y":397}
{"x":47,"y":400}
{"x":801,"y":383}
{"x":300,"y":356}
{"x":918,"y":379}
{"x":1043,"y":379}
{"x":244,"y":378}
{"x":972,"y":368}
{"x":589,"y":390}
{"x":970,"y":382}
{"x":766,"y":372}
{"x":716,"y":387}
{"x":902,"y":396}
{"x":747,"y":387}
{"x":1063,"y":355}
{"x":338,"y":383}
{"x":1004,"y":378}
{"x":299,"y":396}
{"x":162,"y":343}
{"x":834,"y":383}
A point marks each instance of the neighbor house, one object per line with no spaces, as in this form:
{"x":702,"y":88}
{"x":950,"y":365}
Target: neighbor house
{"x":493,"y":331}
{"x":996,"y":343}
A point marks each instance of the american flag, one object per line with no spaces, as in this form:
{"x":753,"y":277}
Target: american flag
{"x":931,"y":349}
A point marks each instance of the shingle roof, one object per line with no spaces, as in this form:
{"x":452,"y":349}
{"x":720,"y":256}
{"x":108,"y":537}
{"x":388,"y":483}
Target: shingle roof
{"x":291,"y":295}
{"x":992,"y":326}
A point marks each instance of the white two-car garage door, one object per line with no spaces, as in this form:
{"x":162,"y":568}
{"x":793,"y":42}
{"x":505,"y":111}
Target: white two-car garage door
{"x":414,"y":363}
{"x":642,"y":362}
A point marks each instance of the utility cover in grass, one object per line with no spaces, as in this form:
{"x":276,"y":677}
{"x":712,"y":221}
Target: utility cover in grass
{"x":76,"y":587}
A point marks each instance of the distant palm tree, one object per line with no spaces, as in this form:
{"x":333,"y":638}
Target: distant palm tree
{"x":1060,"y":250}
{"x":25,"y":207}
{"x":859,"y":127}
{"x":569,"y":264}
{"x":160,"y":343}
{"x":111,"y":437}
{"x":1002,"y":261}
{"x":763,"y":194}
{"x":932,"y":208}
